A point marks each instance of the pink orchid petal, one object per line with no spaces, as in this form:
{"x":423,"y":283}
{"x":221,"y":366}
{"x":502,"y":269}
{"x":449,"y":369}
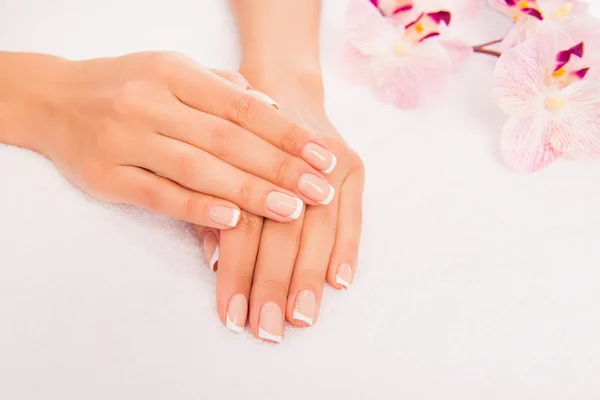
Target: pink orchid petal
{"x":583,"y":119}
{"x":355,"y":66}
{"x":460,"y":52}
{"x":518,"y":78}
{"x":519,"y":33}
{"x":411,"y":81}
{"x":525,"y":146}
{"x":368,"y":30}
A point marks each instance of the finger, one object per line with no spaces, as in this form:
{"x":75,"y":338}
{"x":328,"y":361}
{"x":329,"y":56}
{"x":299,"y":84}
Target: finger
{"x":204,"y":173}
{"x":308,"y":280}
{"x":210,"y":245}
{"x":144,"y":189}
{"x":233,"y":77}
{"x":274,"y":265}
{"x":342,"y":264}
{"x":246,"y":151}
{"x":237,"y":258}
{"x":191,"y":84}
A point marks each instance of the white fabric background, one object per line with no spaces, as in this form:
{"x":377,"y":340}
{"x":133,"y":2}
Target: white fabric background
{"x":474,"y":282}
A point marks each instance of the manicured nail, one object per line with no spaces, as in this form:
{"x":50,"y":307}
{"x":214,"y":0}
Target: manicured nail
{"x":284,"y":205}
{"x":237,"y":311}
{"x":224,"y":215}
{"x":270,"y":324}
{"x":211,"y":249}
{"x":305,"y":307}
{"x":263,"y":97}
{"x":316,"y":189}
{"x":318,"y":157}
{"x":344,"y":275}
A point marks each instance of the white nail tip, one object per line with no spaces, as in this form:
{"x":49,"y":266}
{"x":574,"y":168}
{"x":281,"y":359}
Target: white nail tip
{"x":342,"y":282}
{"x":264,"y":97}
{"x":234,"y":327}
{"x":215,"y":258}
{"x":268,"y":336}
{"x":332,"y":166}
{"x":329,"y":197}
{"x":298,"y":211}
{"x":301,"y":317}
{"x":235,"y":219}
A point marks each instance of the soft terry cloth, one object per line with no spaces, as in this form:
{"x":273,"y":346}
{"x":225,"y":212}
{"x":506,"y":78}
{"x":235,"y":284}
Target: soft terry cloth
{"x":474,"y":283}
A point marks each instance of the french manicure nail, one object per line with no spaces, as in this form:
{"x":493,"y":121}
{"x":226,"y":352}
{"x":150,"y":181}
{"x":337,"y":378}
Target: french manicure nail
{"x":270,"y":324}
{"x":211,"y":246}
{"x":316,"y":189}
{"x":344,"y":275}
{"x":224,"y":215}
{"x":318,"y":157}
{"x":237,"y":311}
{"x":263,"y":97}
{"x":284,"y":205}
{"x":305,"y":307}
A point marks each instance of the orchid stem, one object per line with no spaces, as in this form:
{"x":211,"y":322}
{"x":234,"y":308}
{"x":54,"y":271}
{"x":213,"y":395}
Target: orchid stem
{"x":482,"y":50}
{"x":490,"y":43}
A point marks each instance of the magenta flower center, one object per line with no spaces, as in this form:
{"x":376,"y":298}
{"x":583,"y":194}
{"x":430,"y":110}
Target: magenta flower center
{"x":426,"y":26}
{"x":568,"y":68}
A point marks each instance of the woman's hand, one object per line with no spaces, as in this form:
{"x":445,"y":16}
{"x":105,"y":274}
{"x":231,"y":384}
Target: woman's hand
{"x":158,"y":131}
{"x":268,"y":271}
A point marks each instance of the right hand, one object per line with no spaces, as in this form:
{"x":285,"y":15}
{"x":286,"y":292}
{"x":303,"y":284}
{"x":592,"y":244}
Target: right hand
{"x":158,"y":131}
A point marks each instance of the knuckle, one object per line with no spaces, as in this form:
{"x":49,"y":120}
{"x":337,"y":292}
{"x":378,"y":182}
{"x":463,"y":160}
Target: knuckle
{"x":189,"y":170}
{"x":246,"y":192}
{"x":315,"y":278}
{"x":283,"y":171}
{"x":191,"y":205}
{"x":220,"y":139}
{"x":244,"y":109}
{"x":249,"y":223}
{"x":290,"y":139}
{"x":274,"y":287}
{"x":150,"y":198}
{"x":287,"y":231}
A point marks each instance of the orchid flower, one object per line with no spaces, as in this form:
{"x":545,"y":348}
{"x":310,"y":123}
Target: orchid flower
{"x":406,"y":65}
{"x":533,"y":17}
{"x":550,"y":88}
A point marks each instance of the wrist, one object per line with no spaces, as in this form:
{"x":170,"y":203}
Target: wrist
{"x":293,"y":87}
{"x":29,"y":86}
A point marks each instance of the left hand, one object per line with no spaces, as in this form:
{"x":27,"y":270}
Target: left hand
{"x":282,"y":267}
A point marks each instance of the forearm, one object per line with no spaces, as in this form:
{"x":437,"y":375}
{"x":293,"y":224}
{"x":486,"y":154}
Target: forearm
{"x":280,"y":42}
{"x":26,"y":88}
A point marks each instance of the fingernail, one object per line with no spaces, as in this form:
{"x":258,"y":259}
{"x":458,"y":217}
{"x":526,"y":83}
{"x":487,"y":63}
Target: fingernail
{"x":237,"y":311}
{"x":211,"y":246}
{"x":263,"y":97}
{"x":316,"y":189}
{"x":344,"y":275}
{"x":270,"y":324}
{"x":224,"y":215}
{"x":318,"y":157}
{"x":305,"y":307}
{"x":284,"y":205}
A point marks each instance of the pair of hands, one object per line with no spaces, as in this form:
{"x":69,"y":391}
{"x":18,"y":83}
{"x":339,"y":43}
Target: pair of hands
{"x":269,"y":272}
{"x":158,"y":131}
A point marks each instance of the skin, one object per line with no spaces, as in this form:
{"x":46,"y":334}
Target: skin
{"x":141,"y":129}
{"x":267,"y":261}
